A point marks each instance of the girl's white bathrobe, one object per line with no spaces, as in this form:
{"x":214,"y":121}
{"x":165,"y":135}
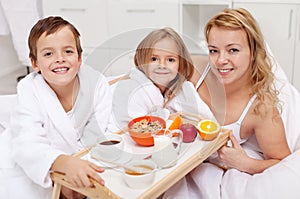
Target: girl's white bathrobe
{"x":138,"y":96}
{"x":41,"y":131}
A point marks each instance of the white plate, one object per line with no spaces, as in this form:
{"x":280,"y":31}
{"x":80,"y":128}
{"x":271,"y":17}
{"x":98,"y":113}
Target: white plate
{"x":125,"y":157}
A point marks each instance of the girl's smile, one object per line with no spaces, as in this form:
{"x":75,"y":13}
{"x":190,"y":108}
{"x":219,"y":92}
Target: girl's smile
{"x":164,"y":64}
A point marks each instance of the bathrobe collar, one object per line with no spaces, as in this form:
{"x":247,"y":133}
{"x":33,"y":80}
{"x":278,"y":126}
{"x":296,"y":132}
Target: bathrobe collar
{"x":82,"y":107}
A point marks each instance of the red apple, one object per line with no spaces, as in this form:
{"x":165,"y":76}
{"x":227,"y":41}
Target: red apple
{"x":189,"y":132}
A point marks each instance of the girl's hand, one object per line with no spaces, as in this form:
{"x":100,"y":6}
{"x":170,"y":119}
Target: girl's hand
{"x":77,"y":171}
{"x":235,"y":156}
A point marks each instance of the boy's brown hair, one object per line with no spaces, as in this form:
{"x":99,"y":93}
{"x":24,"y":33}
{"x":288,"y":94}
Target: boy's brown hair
{"x":50,"y":25}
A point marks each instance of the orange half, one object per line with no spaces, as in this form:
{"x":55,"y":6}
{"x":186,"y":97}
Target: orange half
{"x":208,"y":129}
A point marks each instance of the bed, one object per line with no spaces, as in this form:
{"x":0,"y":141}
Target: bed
{"x":280,"y":181}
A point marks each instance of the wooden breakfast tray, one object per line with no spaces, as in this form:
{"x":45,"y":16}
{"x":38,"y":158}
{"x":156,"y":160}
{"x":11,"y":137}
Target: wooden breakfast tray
{"x":116,"y":188}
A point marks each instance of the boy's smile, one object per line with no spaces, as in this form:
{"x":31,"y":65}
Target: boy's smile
{"x":57,"y":58}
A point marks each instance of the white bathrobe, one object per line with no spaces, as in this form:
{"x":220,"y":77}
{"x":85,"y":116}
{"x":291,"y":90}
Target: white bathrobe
{"x":41,"y":131}
{"x":138,"y":96}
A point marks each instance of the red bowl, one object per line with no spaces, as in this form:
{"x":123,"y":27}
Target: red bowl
{"x":145,"y":138}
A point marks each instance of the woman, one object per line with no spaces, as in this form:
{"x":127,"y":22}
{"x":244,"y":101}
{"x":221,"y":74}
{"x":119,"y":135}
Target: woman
{"x":238,"y":59}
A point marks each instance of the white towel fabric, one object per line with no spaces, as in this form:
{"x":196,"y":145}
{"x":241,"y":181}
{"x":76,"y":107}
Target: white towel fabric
{"x":17,"y":17}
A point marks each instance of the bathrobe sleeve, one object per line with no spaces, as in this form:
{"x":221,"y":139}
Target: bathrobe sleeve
{"x":32,"y":149}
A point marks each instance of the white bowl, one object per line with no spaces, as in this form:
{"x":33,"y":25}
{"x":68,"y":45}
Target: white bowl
{"x":140,"y":181}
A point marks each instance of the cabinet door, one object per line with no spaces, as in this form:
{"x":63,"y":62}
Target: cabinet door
{"x":277,"y":22}
{"x":296,"y":77}
{"x":127,"y":15}
{"x":88,"y":16}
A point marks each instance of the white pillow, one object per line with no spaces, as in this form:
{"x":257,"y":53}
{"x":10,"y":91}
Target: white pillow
{"x":290,"y":100}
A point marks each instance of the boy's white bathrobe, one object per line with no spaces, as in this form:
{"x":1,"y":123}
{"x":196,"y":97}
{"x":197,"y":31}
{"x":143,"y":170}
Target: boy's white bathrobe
{"x":41,"y":131}
{"x":138,"y":96}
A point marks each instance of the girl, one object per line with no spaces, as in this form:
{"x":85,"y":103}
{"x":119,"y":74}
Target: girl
{"x":159,"y":81}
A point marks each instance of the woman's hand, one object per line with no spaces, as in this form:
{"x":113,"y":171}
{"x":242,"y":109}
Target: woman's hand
{"x":235,"y":156}
{"x":77,"y":171}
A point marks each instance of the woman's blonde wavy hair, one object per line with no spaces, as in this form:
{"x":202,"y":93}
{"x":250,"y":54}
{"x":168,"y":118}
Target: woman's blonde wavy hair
{"x":143,"y":56}
{"x":261,"y":65}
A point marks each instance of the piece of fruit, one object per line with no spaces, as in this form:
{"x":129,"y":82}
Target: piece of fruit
{"x":208,"y":129}
{"x":189,"y":132}
{"x":176,"y":123}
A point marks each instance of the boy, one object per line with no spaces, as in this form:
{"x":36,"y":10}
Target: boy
{"x":63,"y":106}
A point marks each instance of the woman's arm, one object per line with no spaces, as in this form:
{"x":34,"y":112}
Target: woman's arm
{"x":270,"y":135}
{"x":236,"y":157}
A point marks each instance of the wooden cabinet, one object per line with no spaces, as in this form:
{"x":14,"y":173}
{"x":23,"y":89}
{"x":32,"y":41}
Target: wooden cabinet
{"x":280,"y":24}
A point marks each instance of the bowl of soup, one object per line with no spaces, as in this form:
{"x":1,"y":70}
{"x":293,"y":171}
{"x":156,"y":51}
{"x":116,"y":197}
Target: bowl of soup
{"x":142,"y":128}
{"x":139,"y":174}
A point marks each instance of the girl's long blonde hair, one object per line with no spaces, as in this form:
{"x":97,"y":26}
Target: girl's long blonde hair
{"x":262,"y":76}
{"x":144,"y":52}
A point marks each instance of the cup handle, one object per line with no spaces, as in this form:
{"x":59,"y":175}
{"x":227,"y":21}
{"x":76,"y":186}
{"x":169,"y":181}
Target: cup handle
{"x":177,"y":136}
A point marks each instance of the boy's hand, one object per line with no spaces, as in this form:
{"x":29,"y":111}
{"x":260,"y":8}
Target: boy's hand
{"x":77,"y":171}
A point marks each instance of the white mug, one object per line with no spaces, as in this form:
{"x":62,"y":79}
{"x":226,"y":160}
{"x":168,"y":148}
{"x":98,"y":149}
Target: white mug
{"x":167,"y":148}
{"x":108,"y":147}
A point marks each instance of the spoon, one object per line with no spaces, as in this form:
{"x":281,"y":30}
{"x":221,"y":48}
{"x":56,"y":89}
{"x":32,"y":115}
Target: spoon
{"x":133,"y":170}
